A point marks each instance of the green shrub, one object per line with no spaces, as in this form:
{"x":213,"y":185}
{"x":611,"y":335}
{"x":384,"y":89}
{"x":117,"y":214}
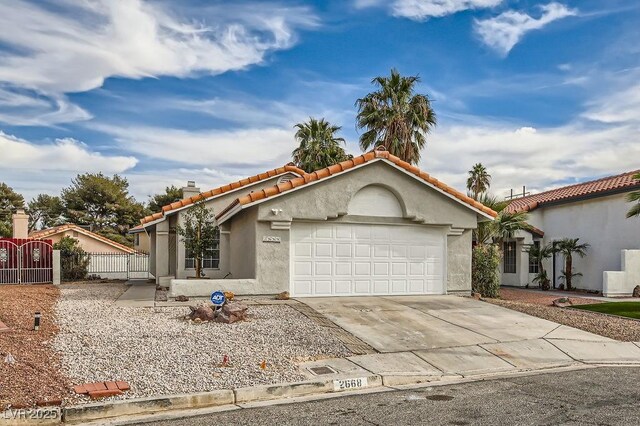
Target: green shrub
{"x":485,"y":278}
{"x":74,"y":261}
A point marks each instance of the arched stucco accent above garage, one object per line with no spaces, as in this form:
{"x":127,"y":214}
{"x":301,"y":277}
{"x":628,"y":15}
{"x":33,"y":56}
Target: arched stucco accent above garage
{"x":376,"y":200}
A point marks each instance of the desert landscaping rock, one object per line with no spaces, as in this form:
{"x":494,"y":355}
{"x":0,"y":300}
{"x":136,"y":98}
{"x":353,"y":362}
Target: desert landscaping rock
{"x":158,"y":352}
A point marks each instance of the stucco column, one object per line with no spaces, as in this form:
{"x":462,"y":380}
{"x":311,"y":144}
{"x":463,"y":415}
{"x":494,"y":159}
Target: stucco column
{"x":20,"y":224}
{"x":162,"y":250}
{"x":56,"y":267}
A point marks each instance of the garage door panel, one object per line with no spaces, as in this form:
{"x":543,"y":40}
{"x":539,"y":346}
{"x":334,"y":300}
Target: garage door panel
{"x":380,"y":268}
{"x":302,"y":250}
{"x":399,"y":252}
{"x":324,"y":287}
{"x":362,"y":287}
{"x":343,"y":287}
{"x":416,"y":269}
{"x":398,"y":269}
{"x":362,"y":269}
{"x":344,"y":232}
{"x":302,"y":288}
{"x":343,"y":249}
{"x":343,"y":269}
{"x":380,"y":251}
{"x":323,"y":269}
{"x":362,"y":233}
{"x":324,"y":249}
{"x":363,"y":251}
{"x":303,"y":268}
{"x":398,"y":286}
{"x":366,"y":259}
{"x":381,"y":286}
{"x":416,"y":286}
{"x":324,"y":231}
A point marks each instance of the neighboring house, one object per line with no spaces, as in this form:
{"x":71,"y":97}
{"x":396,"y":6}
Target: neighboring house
{"x":592,"y":211}
{"x":373,"y":225}
{"x":87,"y":240}
{"x":140,"y":239}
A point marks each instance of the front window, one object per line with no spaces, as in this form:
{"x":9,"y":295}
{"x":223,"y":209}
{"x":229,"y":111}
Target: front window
{"x":510,"y":257}
{"x":210,"y":258}
{"x":534,"y":267}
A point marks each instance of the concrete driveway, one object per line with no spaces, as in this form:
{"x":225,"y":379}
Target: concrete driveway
{"x":451,"y":335}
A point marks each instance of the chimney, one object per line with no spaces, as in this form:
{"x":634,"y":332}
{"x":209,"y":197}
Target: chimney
{"x":20,"y":224}
{"x":190,"y":190}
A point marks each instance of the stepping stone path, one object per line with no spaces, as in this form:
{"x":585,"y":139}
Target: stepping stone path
{"x":102,"y":389}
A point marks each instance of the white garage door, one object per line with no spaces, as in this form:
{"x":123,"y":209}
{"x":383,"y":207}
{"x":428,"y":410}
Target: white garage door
{"x":348,"y":259}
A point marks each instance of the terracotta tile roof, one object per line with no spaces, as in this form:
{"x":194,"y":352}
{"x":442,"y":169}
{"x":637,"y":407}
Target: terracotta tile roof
{"x":221,"y":190}
{"x":601,"y":186}
{"x":349,"y":164}
{"x":73,"y":227}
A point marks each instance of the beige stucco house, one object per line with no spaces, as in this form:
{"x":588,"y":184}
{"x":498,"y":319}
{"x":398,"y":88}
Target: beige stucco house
{"x":141,"y":242}
{"x":373,"y":225}
{"x":595,"y":213}
{"x":89,"y":241}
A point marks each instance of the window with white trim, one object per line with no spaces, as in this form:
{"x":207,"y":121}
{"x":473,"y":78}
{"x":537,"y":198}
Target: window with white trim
{"x":534,"y":267}
{"x":510,"y":257}
{"x":210,"y":258}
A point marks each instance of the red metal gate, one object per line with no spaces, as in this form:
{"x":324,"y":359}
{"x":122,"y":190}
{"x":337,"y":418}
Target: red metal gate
{"x":26,"y":261}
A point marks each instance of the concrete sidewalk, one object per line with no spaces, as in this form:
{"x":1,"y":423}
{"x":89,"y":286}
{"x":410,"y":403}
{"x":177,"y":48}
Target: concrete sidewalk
{"x":140,"y":294}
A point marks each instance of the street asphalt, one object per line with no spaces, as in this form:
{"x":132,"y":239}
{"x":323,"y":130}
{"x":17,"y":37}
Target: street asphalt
{"x":597,"y":396}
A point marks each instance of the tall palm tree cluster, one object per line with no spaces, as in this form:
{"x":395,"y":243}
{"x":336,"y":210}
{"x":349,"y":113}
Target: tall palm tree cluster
{"x":393,"y":115}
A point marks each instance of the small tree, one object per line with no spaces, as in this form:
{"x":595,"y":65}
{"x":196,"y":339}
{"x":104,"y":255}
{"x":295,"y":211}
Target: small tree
{"x":199,"y":232}
{"x":74,"y":260}
{"x":485,"y":278}
{"x":539,"y":254}
{"x":568,"y":247}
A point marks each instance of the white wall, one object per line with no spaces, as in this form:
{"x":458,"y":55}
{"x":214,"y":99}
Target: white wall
{"x":601,"y":222}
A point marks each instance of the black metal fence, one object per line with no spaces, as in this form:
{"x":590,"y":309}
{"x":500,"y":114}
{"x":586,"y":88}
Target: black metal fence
{"x":122,"y":266}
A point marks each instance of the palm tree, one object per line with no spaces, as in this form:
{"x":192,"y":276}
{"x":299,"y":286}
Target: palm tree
{"x":478,"y":181}
{"x":634,"y":197}
{"x":395,"y":117}
{"x":319,"y":145}
{"x":503,"y":227}
{"x":568,"y":247}
{"x":539,"y":254}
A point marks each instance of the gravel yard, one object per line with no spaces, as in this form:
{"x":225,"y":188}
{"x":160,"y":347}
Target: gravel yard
{"x":540,"y":298}
{"x":604,"y":325}
{"x":35,"y":374}
{"x":158,"y":352}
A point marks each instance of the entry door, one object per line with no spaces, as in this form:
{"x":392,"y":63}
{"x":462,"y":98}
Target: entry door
{"x":342,"y":259}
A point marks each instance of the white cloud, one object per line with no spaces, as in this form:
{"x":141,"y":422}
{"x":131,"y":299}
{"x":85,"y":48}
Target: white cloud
{"x":536,"y":157}
{"x":619,"y":107}
{"x":507,"y":29}
{"x":32,"y":168}
{"x":32,"y":108}
{"x":75,"y":46}
{"x":63,"y":154}
{"x":420,"y":10}
{"x":253,"y":147}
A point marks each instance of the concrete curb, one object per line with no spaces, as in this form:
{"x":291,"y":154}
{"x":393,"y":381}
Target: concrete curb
{"x":96,"y":411}
{"x":227,"y":399}
{"x":292,"y":390}
{"x":153,"y":405}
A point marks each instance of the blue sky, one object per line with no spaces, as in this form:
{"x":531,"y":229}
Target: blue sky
{"x":543,"y":93}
